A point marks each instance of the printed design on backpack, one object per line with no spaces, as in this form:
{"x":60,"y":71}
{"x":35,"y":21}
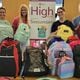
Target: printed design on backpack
{"x":35,"y":60}
{"x":62,"y":45}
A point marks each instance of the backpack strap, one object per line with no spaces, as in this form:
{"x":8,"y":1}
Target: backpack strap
{"x":15,"y":52}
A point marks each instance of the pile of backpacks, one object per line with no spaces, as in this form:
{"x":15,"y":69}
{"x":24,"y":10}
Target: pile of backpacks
{"x":62,"y":58}
{"x":11,"y":63}
{"x":64,"y":53}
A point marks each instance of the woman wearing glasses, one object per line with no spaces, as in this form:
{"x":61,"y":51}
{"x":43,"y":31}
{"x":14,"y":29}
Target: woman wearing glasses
{"x":62,"y":20}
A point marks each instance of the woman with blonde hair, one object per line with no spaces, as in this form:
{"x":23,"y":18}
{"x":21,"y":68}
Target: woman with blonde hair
{"x":22,"y":18}
{"x":21,"y":28}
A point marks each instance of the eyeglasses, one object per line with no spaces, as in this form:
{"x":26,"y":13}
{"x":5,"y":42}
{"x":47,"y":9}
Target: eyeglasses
{"x":60,"y":12}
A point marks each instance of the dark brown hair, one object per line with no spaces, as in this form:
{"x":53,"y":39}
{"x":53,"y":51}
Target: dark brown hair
{"x":62,"y":8}
{"x":3,"y":8}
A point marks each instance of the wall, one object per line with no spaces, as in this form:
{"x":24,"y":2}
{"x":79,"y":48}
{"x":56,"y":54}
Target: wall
{"x":12,"y":7}
{"x":71,"y":7}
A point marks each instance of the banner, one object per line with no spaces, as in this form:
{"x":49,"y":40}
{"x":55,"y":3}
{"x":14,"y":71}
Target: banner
{"x":42,"y":15}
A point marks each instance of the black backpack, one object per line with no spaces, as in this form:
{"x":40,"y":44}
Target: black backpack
{"x":76,"y":57}
{"x":10,"y":57}
{"x":34,"y":63}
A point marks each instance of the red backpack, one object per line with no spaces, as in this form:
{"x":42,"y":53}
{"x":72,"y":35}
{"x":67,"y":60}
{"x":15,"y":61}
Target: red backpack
{"x":74,"y":43}
{"x":10,"y":55}
{"x":4,"y":78}
{"x":72,"y":38}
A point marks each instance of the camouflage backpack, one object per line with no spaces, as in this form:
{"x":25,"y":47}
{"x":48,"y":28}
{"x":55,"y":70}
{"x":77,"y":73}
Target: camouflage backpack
{"x":34,"y":63}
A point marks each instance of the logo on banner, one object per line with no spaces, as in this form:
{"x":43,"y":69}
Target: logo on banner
{"x":42,"y":32}
{"x":41,"y":13}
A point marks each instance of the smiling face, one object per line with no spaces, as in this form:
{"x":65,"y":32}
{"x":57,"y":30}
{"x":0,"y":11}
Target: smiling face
{"x":2,"y":13}
{"x":24,"y":11}
{"x":61,"y":13}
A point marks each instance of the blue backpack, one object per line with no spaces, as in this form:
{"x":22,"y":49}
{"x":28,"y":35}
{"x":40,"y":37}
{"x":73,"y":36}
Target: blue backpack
{"x":54,"y":53}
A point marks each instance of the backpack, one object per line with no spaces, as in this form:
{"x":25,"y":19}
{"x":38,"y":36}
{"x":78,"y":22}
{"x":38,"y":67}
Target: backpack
{"x":54,"y":52}
{"x":34,"y":63}
{"x":23,"y":33}
{"x":4,"y":78}
{"x":5,"y":30}
{"x":54,"y":39}
{"x":76,"y":56}
{"x":10,"y":57}
{"x":64,"y":32}
{"x":72,"y":38}
{"x":61,"y":46}
{"x":74,"y":44}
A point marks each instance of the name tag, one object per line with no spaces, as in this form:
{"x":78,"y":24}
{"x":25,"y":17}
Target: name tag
{"x":37,"y":70}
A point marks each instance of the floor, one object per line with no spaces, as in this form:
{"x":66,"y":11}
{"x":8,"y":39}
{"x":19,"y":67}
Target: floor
{"x":37,"y":78}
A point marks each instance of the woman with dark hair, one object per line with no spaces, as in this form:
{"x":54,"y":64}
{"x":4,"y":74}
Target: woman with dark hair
{"x":5,"y":26}
{"x":62,"y":20}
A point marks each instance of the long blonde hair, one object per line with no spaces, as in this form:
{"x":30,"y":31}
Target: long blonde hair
{"x":20,"y":16}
